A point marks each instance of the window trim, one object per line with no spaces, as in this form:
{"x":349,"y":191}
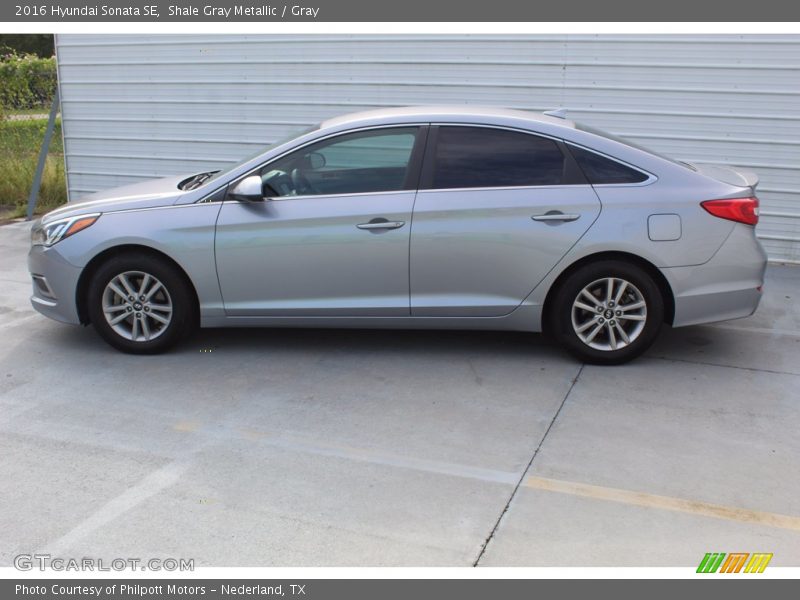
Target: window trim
{"x":412,"y":176}
{"x":210,"y":197}
{"x":574,"y":174}
{"x":650,"y":179}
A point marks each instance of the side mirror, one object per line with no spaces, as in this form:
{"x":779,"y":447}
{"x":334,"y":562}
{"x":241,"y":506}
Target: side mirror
{"x":248,"y":189}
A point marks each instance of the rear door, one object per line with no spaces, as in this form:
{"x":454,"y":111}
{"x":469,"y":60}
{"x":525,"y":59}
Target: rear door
{"x":496,"y":210}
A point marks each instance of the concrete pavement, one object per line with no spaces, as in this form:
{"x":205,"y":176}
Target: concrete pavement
{"x":305,"y":448}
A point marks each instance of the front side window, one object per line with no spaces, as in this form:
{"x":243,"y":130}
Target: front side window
{"x":354,"y":163}
{"x":476,"y":157}
{"x":201,"y":179}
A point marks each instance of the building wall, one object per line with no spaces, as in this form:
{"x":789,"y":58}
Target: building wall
{"x":142,"y":106}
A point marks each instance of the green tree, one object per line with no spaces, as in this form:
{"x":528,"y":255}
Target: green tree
{"x":40,"y":44}
{"x":26,"y":81}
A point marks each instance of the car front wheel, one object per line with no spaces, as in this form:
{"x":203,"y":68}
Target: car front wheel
{"x":139,"y":304}
{"x":607,"y":312}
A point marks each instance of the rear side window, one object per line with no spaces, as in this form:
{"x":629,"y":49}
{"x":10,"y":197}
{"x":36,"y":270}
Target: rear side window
{"x":475,"y":157}
{"x":599,"y":169}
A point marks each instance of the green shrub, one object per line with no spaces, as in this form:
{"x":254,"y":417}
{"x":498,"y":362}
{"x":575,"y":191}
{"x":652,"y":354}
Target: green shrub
{"x":26,"y":81}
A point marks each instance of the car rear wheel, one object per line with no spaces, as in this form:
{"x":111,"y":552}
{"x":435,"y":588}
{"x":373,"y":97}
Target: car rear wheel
{"x":139,"y":304}
{"x":607,"y":312}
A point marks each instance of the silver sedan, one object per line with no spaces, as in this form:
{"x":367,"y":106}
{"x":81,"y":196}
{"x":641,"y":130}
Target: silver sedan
{"x":424,"y":217}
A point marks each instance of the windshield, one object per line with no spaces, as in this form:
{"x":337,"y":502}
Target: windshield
{"x":202,"y":179}
{"x":627,"y":142}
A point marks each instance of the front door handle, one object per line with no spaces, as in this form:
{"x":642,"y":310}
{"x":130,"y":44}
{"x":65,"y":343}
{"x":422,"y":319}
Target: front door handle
{"x":381,"y":224}
{"x":556,"y":216}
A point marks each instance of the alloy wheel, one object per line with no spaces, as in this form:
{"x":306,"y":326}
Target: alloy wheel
{"x":609,"y":314}
{"x":137,"y":306}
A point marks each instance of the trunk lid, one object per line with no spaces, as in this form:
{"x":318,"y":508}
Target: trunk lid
{"x":729,"y":175}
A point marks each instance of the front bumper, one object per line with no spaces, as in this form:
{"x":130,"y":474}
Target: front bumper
{"x":726,"y":287}
{"x":55,"y":283}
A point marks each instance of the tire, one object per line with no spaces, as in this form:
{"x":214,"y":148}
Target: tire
{"x":597,"y":336}
{"x":160,"y":314}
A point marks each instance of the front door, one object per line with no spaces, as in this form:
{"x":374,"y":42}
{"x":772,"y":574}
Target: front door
{"x":332,"y":239}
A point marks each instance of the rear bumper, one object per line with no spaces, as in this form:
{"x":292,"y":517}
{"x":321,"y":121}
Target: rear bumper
{"x":726,"y":287}
{"x":54,"y":282}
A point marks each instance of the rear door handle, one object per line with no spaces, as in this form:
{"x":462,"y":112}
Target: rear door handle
{"x":384,"y":224}
{"x":556,"y":216}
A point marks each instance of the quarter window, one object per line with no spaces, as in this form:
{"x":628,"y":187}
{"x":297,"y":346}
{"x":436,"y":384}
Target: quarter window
{"x":361,"y":162}
{"x":599,"y":169}
{"x":467,"y":157}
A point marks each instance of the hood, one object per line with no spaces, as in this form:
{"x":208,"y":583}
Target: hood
{"x":147,"y":194}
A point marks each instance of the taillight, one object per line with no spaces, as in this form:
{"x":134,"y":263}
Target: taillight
{"x":741,"y":210}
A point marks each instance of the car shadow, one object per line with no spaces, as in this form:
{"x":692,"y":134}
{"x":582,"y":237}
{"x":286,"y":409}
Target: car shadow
{"x":69,"y":338}
{"x":700,"y":344}
{"x":367,"y":340}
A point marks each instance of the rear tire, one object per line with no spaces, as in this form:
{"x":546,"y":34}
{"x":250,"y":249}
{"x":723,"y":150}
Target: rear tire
{"x":140,"y":304}
{"x":607,"y":312}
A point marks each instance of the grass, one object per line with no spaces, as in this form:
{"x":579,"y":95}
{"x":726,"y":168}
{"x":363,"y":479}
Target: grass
{"x":40,"y":110}
{"x":20,"y":142}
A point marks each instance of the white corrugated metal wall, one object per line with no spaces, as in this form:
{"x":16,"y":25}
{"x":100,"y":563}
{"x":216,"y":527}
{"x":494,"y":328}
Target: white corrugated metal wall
{"x":140,"y":106}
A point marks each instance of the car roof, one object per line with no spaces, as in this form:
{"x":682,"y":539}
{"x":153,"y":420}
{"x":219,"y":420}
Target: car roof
{"x":457,"y":113}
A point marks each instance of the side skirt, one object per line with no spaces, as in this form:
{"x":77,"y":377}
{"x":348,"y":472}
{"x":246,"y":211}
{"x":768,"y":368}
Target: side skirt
{"x":524,"y":318}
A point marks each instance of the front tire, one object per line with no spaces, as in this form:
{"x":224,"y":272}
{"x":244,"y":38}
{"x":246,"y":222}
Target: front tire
{"x":140,"y":304}
{"x":607,"y":312}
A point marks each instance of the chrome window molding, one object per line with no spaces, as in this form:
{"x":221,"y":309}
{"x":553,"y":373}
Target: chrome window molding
{"x":508,"y":187}
{"x":307,"y":196}
{"x":651,"y":178}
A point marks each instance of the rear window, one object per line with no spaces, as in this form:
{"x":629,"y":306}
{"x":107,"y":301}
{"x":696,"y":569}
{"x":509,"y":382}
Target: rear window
{"x":627,"y":142}
{"x":599,"y":169}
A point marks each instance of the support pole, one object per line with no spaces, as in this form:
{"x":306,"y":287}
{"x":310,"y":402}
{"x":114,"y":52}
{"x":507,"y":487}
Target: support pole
{"x":37,"y":178}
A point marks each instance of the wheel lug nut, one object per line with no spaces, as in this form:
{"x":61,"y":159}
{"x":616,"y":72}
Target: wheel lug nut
{"x":129,"y":309}
{"x":601,"y":320}
{"x":141,"y":298}
{"x":146,"y":309}
{"x":131,"y":298}
{"x":612,"y":323}
{"x":619,"y":312}
{"x":611,"y":304}
{"x":599,"y":309}
{"x":138,"y":315}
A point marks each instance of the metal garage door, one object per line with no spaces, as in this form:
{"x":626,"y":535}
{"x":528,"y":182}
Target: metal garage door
{"x":141,"y":106}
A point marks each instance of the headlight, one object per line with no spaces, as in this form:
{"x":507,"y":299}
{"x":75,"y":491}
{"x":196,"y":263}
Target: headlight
{"x":55,"y":231}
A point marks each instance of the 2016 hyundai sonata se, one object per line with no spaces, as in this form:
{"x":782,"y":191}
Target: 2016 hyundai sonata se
{"x":437,"y":217}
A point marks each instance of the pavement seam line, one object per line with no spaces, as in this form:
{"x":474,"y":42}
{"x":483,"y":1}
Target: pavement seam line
{"x":526,"y":469}
{"x":762,"y":330}
{"x":669,"y":503}
{"x":710,"y":364}
{"x":146,"y":488}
